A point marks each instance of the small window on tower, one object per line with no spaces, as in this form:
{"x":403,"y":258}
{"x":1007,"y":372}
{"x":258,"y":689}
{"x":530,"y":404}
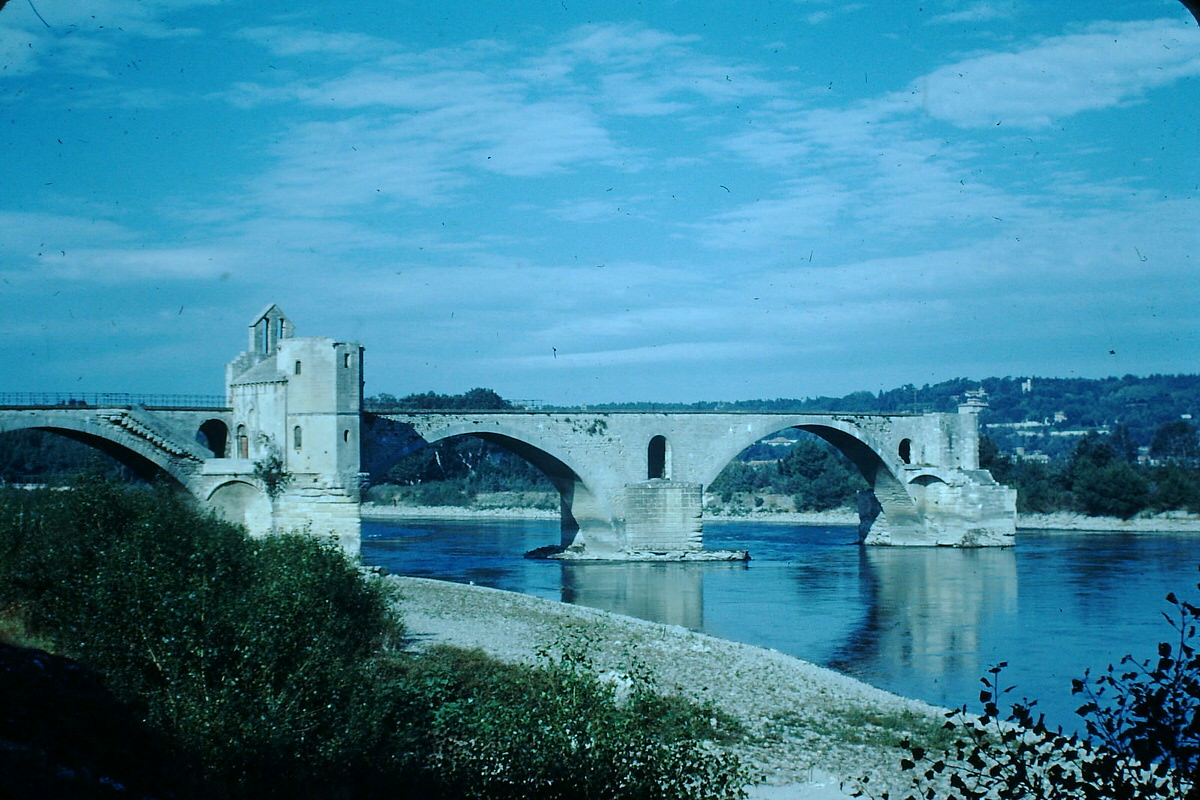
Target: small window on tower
{"x":346,"y":360}
{"x":296,"y":437}
{"x":297,"y":367}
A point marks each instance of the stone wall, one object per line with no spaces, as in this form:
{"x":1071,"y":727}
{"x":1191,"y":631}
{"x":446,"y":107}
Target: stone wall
{"x":663,"y":516}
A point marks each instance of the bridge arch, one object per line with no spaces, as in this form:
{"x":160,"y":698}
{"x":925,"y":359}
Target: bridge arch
{"x":869,"y":452}
{"x":241,"y":503}
{"x":147,"y":462}
{"x":583,"y":513}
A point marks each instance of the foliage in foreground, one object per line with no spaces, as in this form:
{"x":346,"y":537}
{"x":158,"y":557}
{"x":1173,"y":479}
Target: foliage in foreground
{"x":1142,"y":740}
{"x":272,"y":667}
{"x":492,"y":730}
{"x":252,"y":655}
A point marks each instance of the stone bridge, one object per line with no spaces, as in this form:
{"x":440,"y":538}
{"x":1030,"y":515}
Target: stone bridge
{"x":281,"y":452}
{"x":189,"y":448}
{"x":284,"y":452}
{"x":633,"y":482}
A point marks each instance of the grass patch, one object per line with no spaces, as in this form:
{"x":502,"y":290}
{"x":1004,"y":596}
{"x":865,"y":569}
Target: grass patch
{"x":868,"y":727}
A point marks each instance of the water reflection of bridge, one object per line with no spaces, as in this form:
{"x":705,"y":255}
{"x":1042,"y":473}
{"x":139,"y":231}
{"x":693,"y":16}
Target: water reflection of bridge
{"x":923,"y":609}
{"x":672,"y":594}
{"x":926,"y":608}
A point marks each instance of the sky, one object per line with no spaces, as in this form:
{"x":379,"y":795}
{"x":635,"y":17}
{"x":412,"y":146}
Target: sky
{"x":583,"y":202}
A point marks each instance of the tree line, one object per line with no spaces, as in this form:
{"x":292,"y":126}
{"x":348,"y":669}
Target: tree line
{"x":1103,"y":477}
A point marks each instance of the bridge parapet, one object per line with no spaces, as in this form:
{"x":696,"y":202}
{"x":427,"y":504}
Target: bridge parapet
{"x":109,"y":399}
{"x":150,"y":443}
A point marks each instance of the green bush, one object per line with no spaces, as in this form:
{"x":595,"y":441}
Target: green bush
{"x":272,"y":667}
{"x":493,"y":730}
{"x":252,"y":654}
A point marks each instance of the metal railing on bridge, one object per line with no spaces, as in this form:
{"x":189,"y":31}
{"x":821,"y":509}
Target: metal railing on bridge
{"x":102,"y":399}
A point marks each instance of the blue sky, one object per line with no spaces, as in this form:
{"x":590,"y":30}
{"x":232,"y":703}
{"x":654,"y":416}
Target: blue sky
{"x":584,"y":202}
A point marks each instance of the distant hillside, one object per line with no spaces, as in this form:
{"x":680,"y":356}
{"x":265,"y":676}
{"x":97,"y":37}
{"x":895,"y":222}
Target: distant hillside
{"x":1141,"y":405}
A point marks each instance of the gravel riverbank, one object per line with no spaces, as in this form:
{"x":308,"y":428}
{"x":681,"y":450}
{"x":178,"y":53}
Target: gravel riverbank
{"x":384,"y":512}
{"x":1060,"y":521}
{"x":807,"y":728}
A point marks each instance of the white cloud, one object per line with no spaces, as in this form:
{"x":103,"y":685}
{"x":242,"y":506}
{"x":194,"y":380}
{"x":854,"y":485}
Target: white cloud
{"x":83,"y":37}
{"x":290,"y":41}
{"x":677,"y":353}
{"x":1108,"y":65}
{"x":831,"y":10}
{"x":638,"y":71}
{"x":806,"y":209}
{"x":977,"y":12}
{"x":619,"y":47}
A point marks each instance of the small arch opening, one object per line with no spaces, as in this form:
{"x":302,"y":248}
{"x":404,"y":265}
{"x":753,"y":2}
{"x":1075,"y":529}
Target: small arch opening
{"x":926,"y":480}
{"x":658,"y":458}
{"x":346,"y":435}
{"x":242,"y":504}
{"x":346,"y":360}
{"x":297,"y":371}
{"x":243,"y":442}
{"x":214,"y":434}
{"x":905,"y":451}
{"x":297,"y":437}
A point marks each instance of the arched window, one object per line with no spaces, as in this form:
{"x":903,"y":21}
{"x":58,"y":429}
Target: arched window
{"x":243,"y":442}
{"x":213,"y":434}
{"x":297,"y":372}
{"x":346,"y":360}
{"x":297,"y":438}
{"x":346,"y":435}
{"x":905,"y":452}
{"x":658,"y":461}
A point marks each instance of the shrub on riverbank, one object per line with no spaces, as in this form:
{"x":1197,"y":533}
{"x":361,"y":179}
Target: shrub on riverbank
{"x":474,"y":715}
{"x":252,"y":654}
{"x":272,"y":667}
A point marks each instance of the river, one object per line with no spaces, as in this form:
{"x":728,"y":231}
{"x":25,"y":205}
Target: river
{"x":921,"y":622}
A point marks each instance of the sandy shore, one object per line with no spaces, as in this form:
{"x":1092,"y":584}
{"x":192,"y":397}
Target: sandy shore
{"x":382,"y":512}
{"x":808,"y":728}
{"x":385,"y":512}
{"x":1062,"y":521}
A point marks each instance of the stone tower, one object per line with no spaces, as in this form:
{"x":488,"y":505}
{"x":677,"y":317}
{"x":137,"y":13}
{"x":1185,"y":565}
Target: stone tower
{"x":296,"y":404}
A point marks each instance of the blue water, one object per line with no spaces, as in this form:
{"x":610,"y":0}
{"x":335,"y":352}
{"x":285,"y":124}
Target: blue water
{"x":922,"y":622}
